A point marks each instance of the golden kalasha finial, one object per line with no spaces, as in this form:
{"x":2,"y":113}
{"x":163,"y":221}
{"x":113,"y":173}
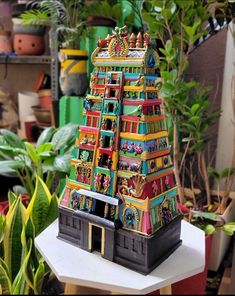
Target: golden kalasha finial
{"x":139,"y":40}
{"x":132,"y":40}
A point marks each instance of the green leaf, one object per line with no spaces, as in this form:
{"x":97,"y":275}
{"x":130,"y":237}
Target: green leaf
{"x":53,"y":210}
{"x":12,"y":139}
{"x":2,"y":228}
{"x":38,"y":279}
{"x":62,"y":163}
{"x":194,"y":119}
{"x":44,"y":147}
{"x":32,"y":152}
{"x":27,"y":264}
{"x":39,"y":206}
{"x":45,"y":136}
{"x":19,"y":286}
{"x":63,"y":136}
{"x":195,"y":108}
{"x":15,"y":220}
{"x":5,"y":282}
{"x":11,"y":198}
{"x":10,"y":166}
{"x":209,"y":229}
{"x":229,"y":228}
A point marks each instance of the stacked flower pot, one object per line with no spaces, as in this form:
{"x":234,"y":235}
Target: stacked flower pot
{"x":28,"y":39}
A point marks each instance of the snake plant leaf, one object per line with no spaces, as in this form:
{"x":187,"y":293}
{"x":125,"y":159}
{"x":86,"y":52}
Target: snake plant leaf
{"x":39,"y":205}
{"x":27,"y":264}
{"x":38,"y":279}
{"x":5,"y":282}
{"x":53,"y":210}
{"x":12,"y":139}
{"x":12,"y":246}
{"x":19,"y":286}
{"x":45,"y":136}
{"x":11,"y":198}
{"x":2,"y":228}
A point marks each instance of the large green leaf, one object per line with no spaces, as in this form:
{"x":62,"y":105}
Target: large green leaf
{"x":10,"y":166}
{"x":15,"y":220}
{"x":63,"y":135}
{"x":32,"y":152}
{"x":62,"y":163}
{"x":45,"y":136}
{"x":12,"y":139}
{"x":5,"y":282}
{"x":53,"y":210}
{"x":19,"y":286}
{"x":39,"y":205}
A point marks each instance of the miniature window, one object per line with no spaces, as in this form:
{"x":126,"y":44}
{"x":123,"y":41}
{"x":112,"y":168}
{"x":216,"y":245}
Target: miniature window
{"x":106,"y":142}
{"x":110,"y":108}
{"x":99,"y":208}
{"x":108,"y":124}
{"x":104,"y":159}
{"x":112,"y":93}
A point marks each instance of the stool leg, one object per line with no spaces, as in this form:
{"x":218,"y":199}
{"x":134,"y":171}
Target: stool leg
{"x":166,"y":290}
{"x":71,"y":289}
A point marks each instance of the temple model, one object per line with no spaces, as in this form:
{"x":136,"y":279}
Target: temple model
{"x":120,"y":198}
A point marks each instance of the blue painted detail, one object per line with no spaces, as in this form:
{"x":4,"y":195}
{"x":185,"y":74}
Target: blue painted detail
{"x":107,"y":133}
{"x":151,"y":61}
{"x":157,"y":201}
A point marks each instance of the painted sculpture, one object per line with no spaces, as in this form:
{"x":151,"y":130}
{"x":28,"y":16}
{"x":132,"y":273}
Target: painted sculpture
{"x":120,"y":198}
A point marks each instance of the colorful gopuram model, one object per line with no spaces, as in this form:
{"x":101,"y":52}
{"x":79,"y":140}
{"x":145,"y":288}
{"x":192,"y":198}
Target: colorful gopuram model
{"x":120,"y":198}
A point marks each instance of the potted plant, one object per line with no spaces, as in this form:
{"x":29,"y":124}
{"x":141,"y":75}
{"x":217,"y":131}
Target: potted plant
{"x":177,"y":26}
{"x":27,"y":161}
{"x":65,"y":19}
{"x":22,"y":268}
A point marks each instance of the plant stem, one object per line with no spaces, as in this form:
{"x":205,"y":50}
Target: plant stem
{"x":176,"y":162}
{"x":205,"y":176}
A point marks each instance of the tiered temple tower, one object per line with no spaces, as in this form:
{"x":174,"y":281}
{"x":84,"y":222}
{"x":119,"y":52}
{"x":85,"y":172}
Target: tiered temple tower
{"x":120,"y":198}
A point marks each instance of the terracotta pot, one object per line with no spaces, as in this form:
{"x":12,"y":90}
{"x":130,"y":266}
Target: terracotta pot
{"x":5,"y":43}
{"x":25,"y":44}
{"x":45,"y":100}
{"x":196,"y":284}
{"x":42,"y":115}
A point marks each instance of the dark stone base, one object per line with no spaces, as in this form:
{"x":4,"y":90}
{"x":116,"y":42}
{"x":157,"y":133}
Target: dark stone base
{"x":130,"y":249}
{"x":144,"y":253}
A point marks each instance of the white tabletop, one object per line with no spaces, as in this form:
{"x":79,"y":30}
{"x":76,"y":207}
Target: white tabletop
{"x":76,"y":266}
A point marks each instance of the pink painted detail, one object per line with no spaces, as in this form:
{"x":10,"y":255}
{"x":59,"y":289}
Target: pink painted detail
{"x":89,"y":129}
{"x":132,"y":118}
{"x":141,"y":102}
{"x":65,"y":199}
{"x":118,"y":48}
{"x":146,"y":224}
{"x":86,"y":146}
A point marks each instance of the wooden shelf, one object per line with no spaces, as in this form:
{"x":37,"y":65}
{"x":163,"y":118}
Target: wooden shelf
{"x":43,"y":59}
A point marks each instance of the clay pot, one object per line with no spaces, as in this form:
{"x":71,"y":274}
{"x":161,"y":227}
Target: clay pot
{"x":43,"y":116}
{"x":5,"y":43}
{"x":45,"y":100}
{"x":25,"y":44}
